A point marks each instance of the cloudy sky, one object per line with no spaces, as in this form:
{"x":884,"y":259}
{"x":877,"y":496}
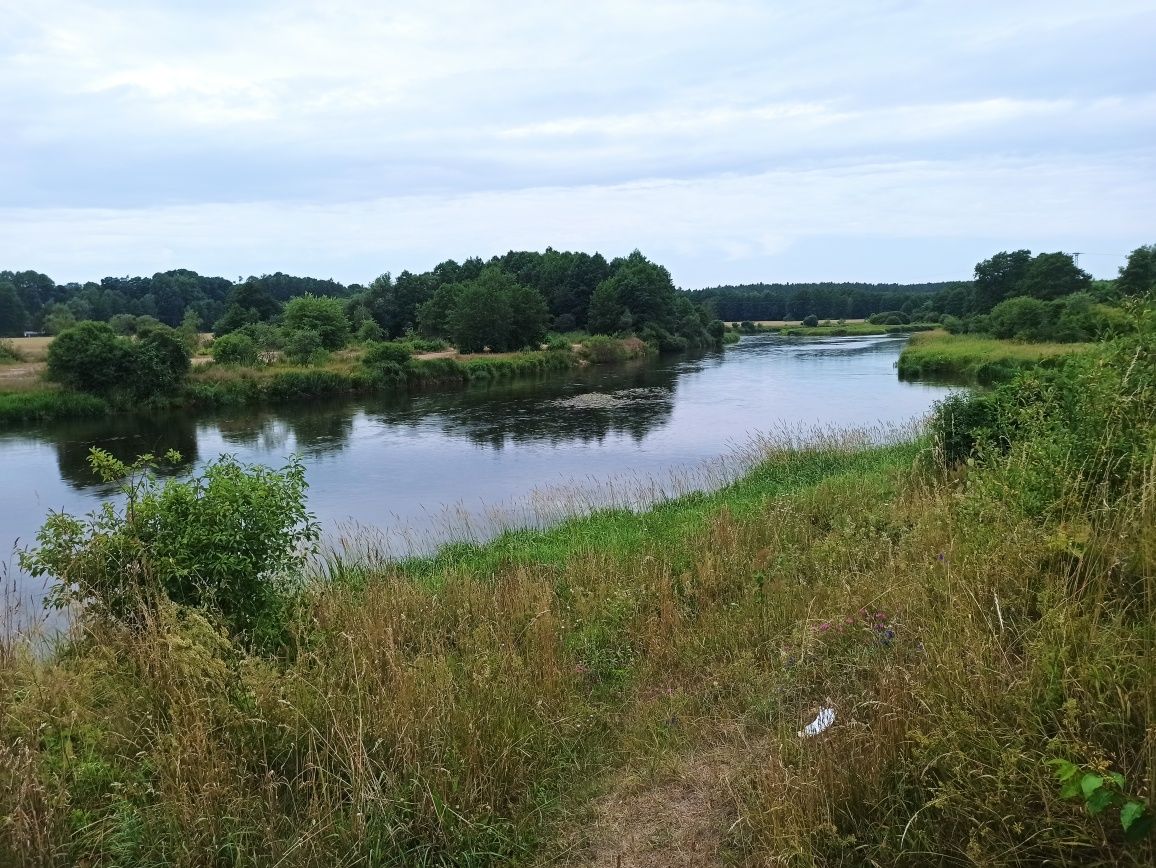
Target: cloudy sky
{"x":733,"y":141}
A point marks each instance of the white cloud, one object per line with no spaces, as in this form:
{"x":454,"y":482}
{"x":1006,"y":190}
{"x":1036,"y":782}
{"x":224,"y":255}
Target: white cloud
{"x":345,"y":137}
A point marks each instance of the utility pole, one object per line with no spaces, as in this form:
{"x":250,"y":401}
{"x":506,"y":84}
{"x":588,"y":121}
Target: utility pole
{"x":1076,"y":259}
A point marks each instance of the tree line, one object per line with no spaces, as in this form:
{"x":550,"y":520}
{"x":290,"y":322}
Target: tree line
{"x":1045,"y":278}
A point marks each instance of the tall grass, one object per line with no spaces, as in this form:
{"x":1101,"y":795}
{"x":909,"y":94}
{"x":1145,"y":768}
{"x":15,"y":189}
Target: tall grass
{"x":967,"y":624}
{"x":22,"y":408}
{"x":972,"y":359}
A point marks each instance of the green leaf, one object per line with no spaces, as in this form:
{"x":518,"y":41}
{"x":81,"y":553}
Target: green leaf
{"x":1130,"y":813}
{"x":1064,"y":769}
{"x":1099,"y":800}
{"x":1089,"y":784}
{"x":1118,"y":778}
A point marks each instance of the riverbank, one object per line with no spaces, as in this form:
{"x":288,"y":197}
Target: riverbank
{"x":974,"y":359}
{"x":217,"y":386}
{"x":633,"y":685}
{"x":828,"y":329}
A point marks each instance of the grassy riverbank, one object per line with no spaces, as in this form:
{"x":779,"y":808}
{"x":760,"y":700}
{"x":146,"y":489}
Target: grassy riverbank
{"x":827,"y":329}
{"x":211,"y":385}
{"x":633,"y":684}
{"x":973,"y":359}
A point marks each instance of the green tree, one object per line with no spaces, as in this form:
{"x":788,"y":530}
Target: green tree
{"x":248,"y":302}
{"x":1053,"y":275}
{"x":13,"y":316}
{"x":999,"y":278}
{"x":529,"y":316}
{"x":90,"y":357}
{"x":58,"y":318}
{"x":1138,"y":274}
{"x":433,"y":317}
{"x":161,"y":360}
{"x":323,"y":316}
{"x":481,"y":315}
{"x":606,"y":310}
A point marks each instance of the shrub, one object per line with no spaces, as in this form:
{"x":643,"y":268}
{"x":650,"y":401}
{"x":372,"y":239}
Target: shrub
{"x":379,"y":353}
{"x":8,"y":353}
{"x":602,"y":350}
{"x":304,"y":347}
{"x":235,"y":348}
{"x":810,"y":321}
{"x":161,"y":361}
{"x":91,"y":358}
{"x":961,"y":422}
{"x":229,"y":541}
{"x":318,"y":315}
{"x":370,"y":331}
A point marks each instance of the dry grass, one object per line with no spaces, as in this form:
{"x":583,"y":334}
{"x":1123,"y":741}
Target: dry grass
{"x":31,"y":349}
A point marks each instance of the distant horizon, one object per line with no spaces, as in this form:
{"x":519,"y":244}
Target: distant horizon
{"x":366,"y":281}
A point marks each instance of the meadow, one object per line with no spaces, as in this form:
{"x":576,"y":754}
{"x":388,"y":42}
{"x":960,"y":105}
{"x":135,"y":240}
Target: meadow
{"x":974,"y":358}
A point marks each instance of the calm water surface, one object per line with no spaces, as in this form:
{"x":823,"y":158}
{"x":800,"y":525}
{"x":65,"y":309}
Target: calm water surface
{"x":421,"y":468}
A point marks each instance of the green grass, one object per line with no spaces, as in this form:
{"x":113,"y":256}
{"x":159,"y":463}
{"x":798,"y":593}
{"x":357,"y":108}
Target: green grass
{"x":973,"y":359}
{"x":22,"y":408}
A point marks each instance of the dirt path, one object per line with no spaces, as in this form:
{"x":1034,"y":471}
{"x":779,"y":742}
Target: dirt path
{"x":675,"y":818}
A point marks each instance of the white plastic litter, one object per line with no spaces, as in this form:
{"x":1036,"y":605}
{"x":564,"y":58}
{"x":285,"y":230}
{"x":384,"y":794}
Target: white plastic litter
{"x":823,"y":720}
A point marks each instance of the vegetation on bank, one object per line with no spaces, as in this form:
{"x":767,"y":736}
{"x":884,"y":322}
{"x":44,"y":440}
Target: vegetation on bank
{"x":239,"y":377}
{"x":826,"y":328}
{"x":976,"y":607}
{"x":976,"y":359}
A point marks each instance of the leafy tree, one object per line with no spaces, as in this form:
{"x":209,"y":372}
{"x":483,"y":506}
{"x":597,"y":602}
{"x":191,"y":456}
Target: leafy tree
{"x":58,"y":318}
{"x":606,"y":310}
{"x":230,"y":541}
{"x":1052,"y":275}
{"x":236,"y":348}
{"x":248,"y":302}
{"x":529,"y":316}
{"x":1000,"y":277}
{"x":13,"y":316}
{"x":161,"y":360}
{"x":90,"y":357}
{"x":1138,"y":274}
{"x":322,"y":316}
{"x":433,"y":317}
{"x":123,"y":324}
{"x":482,"y":314}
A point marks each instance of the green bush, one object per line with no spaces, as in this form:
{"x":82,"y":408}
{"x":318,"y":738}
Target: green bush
{"x":230,"y":541}
{"x":383,"y":352}
{"x":810,"y":321}
{"x":91,"y":358}
{"x":319,"y":315}
{"x":8,"y":353}
{"x":603,"y":350}
{"x":235,"y":348}
{"x":304,"y":347}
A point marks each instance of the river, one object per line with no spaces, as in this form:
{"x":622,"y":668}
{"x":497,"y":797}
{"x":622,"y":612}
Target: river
{"x":403,"y":474}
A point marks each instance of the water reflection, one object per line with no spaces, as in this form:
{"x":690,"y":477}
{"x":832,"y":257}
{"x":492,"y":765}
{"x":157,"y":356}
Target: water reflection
{"x":125,"y":438}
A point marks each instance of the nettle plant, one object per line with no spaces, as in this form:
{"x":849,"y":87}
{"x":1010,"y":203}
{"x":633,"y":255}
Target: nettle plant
{"x":1102,"y":792}
{"x":231,"y":541}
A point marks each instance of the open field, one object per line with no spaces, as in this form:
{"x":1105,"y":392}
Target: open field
{"x":30,"y":349}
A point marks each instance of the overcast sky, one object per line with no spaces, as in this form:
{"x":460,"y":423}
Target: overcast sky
{"x":731,"y":141}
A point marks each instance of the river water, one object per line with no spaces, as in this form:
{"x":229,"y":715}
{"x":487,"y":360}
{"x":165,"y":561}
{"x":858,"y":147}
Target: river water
{"x":403,"y":474}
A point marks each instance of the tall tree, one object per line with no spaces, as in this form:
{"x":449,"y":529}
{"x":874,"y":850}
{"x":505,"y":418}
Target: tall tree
{"x":999,"y":278}
{"x":1138,"y":275}
{"x":12,"y":313}
{"x":1053,"y":275}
